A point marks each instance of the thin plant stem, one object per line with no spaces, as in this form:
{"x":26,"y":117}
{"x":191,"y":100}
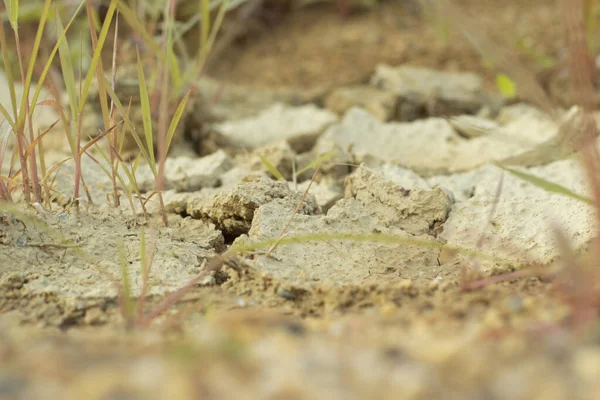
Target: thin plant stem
{"x":285,"y":229}
{"x":21,"y":140}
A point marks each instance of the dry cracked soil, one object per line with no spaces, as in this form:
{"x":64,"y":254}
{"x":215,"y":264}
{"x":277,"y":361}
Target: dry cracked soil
{"x":364,"y":295}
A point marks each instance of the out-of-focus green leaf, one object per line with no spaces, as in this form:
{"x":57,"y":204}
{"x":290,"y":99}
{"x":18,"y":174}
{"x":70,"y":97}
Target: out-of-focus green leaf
{"x":506,"y":86}
{"x":271,"y":168}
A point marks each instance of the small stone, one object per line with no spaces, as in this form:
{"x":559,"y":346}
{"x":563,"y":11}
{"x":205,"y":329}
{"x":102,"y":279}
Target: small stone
{"x":379,"y":103}
{"x":426,"y":89}
{"x":232,"y":211}
{"x":184,"y":174}
{"x":300,"y":126}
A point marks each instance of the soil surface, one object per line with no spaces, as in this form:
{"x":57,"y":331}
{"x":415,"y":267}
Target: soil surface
{"x":371,"y":292}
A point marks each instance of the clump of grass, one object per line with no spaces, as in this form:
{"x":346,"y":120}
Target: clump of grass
{"x":171,"y":81}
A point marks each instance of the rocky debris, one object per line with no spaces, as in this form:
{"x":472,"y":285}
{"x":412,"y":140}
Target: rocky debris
{"x":520,"y":230}
{"x":218,"y":102}
{"x":431,"y":146}
{"x":380,"y":103}
{"x":372,"y":206}
{"x":300,"y":126}
{"x":232,"y":211}
{"x":326,"y":193}
{"x":82,"y":253}
{"x":462,"y":185}
{"x":179,"y":202}
{"x":416,"y":211}
{"x":279,"y":155}
{"x":402,"y":176}
{"x":186,"y":174}
{"x":568,"y":137}
{"x":224,"y":101}
{"x":471,"y":126}
{"x":204,"y":235}
{"x":426,"y":92}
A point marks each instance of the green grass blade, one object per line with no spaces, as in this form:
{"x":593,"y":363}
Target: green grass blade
{"x":175,"y":120}
{"x":99,"y":68}
{"x":97,"y":53}
{"x":176,"y":76}
{"x":6,"y":115}
{"x":321,"y":159}
{"x":546,"y":185}
{"x":245,"y":247}
{"x":129,"y":188}
{"x":139,"y":28}
{"x":133,"y":186}
{"x":146,"y":113}
{"x":126,"y":295}
{"x":145,"y":264}
{"x":8,"y":72}
{"x":48,"y":65}
{"x":217,"y":25}
{"x":206,"y":48}
{"x":127,"y":126}
{"x":33,"y":58}
{"x":271,"y":168}
{"x":68,"y":74}
{"x":12,"y":8}
{"x":205,"y":27}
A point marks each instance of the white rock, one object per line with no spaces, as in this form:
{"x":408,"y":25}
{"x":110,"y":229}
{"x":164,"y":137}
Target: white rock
{"x":403,"y":177}
{"x":521,"y":229}
{"x":380,"y":103}
{"x":459,"y":92}
{"x":428,"y":147}
{"x":233,"y":210}
{"x":325,"y":194}
{"x":377,"y":206}
{"x":188,"y":174}
{"x":298,"y":125}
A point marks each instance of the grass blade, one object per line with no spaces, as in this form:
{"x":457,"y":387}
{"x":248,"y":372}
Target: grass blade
{"x":140,"y":29}
{"x":125,"y":295}
{"x":320,"y":160}
{"x":33,"y":56}
{"x":206,"y":47}
{"x":6,"y":115}
{"x":97,"y":53}
{"x":48,"y":65}
{"x":8,"y":72}
{"x":175,"y":120}
{"x":546,"y":185}
{"x":204,"y":27}
{"x":146,"y":114}
{"x":271,"y":168}
{"x":66,"y":64}
{"x":12,"y":6}
{"x":99,"y":69}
